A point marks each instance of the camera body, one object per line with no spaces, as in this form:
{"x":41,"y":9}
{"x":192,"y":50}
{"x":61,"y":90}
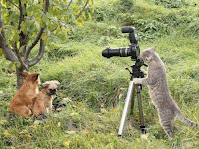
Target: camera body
{"x":132,"y":50}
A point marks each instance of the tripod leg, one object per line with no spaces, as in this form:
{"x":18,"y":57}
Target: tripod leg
{"x":133,"y":101}
{"x":142,"y":126}
{"x":126,"y":107}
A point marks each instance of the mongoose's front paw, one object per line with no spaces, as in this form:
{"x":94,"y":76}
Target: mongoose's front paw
{"x":137,"y":81}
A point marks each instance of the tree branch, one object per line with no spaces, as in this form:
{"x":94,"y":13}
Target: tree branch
{"x":7,"y":51}
{"x":34,"y":43}
{"x":25,"y":41}
{"x":80,"y":13}
{"x":20,"y":60}
{"x":69,"y":5}
{"x":39,"y":56}
{"x":47,"y":6}
{"x":13,"y":3}
{"x":38,"y":36}
{"x":21,"y":14}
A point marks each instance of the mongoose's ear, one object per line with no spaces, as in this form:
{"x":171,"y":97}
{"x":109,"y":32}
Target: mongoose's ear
{"x":35,"y":76}
{"x":46,"y":84}
{"x":154,"y":48}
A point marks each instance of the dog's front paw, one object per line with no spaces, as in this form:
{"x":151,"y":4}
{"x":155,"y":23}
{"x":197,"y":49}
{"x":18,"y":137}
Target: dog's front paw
{"x":41,"y":116}
{"x":137,"y":81}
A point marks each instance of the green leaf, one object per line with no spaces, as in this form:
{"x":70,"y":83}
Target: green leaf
{"x":37,"y":25}
{"x":16,"y":37}
{"x":3,"y":3}
{"x":18,"y":44}
{"x":45,"y":18}
{"x":21,"y":48}
{"x":12,"y":66}
{"x":79,"y":21}
{"x":80,"y":2}
{"x":90,"y":16}
{"x":75,"y":7}
{"x":23,"y":2}
{"x":43,"y":24}
{"x":18,"y":64}
{"x":45,"y":38}
{"x":4,"y":14}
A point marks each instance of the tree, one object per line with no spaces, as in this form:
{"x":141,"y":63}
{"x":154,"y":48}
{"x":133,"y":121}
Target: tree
{"x":26,"y":23}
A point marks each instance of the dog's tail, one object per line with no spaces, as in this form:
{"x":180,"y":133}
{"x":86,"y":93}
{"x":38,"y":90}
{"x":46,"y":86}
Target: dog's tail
{"x":183,"y":119}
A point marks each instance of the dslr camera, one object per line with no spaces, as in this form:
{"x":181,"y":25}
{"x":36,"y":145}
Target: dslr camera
{"x":132,"y":50}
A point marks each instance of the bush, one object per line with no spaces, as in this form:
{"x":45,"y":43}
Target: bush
{"x":147,"y":28}
{"x":172,"y":3}
{"x":94,"y":32}
{"x":192,"y":28}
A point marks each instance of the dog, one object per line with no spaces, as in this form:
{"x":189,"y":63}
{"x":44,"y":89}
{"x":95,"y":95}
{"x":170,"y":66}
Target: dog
{"x":43,"y":102}
{"x":22,"y":102}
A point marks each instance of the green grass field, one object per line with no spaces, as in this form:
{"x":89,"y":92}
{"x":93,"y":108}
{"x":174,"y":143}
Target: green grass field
{"x":97,"y":86}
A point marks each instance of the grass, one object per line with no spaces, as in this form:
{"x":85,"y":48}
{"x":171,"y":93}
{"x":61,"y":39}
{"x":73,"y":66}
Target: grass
{"x":97,"y":86}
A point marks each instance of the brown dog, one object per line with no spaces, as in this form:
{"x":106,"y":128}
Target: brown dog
{"x":22,"y":102}
{"x":43,"y":101}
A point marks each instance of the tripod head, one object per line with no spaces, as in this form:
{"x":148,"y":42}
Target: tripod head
{"x":136,"y":71}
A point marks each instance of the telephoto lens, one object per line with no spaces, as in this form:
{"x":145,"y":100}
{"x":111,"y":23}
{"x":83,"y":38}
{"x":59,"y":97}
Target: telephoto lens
{"x":108,"y":52}
{"x":132,"y":51}
{"x":122,"y":52}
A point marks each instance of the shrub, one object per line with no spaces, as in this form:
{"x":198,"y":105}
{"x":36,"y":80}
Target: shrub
{"x":173,"y":3}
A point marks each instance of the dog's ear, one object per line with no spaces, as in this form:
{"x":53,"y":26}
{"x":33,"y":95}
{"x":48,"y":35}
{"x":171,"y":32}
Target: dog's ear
{"x":57,"y":83}
{"x":25,"y":74}
{"x":46,"y":84}
{"x":35,"y":76}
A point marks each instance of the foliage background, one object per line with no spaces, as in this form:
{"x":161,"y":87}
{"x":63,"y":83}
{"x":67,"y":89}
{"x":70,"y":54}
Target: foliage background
{"x":97,"y":86}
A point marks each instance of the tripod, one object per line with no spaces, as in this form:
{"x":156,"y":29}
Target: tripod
{"x":130,"y":98}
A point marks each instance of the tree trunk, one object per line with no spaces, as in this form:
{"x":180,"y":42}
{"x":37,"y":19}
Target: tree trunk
{"x":19,"y":71}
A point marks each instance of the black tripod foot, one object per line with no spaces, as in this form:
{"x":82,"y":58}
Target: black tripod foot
{"x":143,"y":129}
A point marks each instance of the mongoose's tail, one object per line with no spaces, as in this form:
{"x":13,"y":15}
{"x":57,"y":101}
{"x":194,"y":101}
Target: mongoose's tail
{"x":183,"y":119}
